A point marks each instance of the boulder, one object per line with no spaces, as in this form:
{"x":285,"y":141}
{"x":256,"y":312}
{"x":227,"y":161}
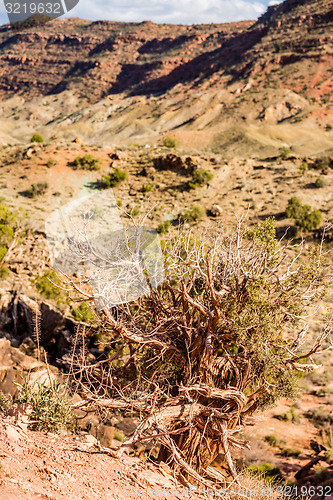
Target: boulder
{"x":215,"y":211}
{"x":176,"y":163}
{"x":16,"y":367}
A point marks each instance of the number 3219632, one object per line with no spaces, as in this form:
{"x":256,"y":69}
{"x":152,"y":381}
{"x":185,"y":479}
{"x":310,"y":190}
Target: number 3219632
{"x":304,"y":491}
{"x":33,"y":8}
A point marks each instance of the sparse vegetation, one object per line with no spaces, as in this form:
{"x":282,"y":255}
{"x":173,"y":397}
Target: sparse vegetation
{"x":118,"y":436}
{"x":284,"y":153}
{"x":86,"y":162}
{"x":37,"y":189}
{"x":4,"y":272}
{"x":146,"y":188}
{"x":6,"y":402}
{"x":48,"y":285}
{"x":304,"y":217}
{"x":114,"y":178}
{"x":8,"y":227}
{"x":164,"y":227}
{"x":303,"y":167}
{"x":279,"y":443}
{"x":323,"y":163}
{"x":289,"y":416}
{"x":51,"y":163}
{"x":193,"y":214}
{"x":83,"y":313}
{"x":50,"y":407}
{"x":271,"y":473}
{"x":321,"y":182}
{"x":321,"y":417}
{"x":37,"y":138}
{"x":200,"y":177}
{"x":170,"y":142}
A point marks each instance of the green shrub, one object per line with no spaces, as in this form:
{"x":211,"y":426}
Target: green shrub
{"x":4,"y":271}
{"x":303,"y":215}
{"x":114,"y":178}
{"x":200,"y":177}
{"x":50,"y":407}
{"x":321,"y":182}
{"x":8,"y":225}
{"x":329,"y":455}
{"x":170,"y":142}
{"x":290,"y":452}
{"x":83,"y":313}
{"x":284,"y":153}
{"x":271,"y":473}
{"x":322,"y":474}
{"x":37,"y":138}
{"x":118,"y":436}
{"x":164,"y":227}
{"x":86,"y":162}
{"x":37,"y":189}
{"x":6,"y":402}
{"x":320,"y":417}
{"x":51,"y":163}
{"x":271,"y":440}
{"x":193,"y":214}
{"x":48,"y":285}
{"x":146,"y":188}
{"x":289,"y":416}
{"x":303,"y":168}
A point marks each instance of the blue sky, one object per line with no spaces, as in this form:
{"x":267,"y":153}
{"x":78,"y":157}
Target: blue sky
{"x":166,"y":11}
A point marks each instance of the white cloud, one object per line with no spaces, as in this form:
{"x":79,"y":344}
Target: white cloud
{"x":166,"y":11}
{"x":274,"y":2}
{"x":170,"y":11}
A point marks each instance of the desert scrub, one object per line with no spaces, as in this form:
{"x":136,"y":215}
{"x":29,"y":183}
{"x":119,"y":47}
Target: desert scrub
{"x":163,"y":227}
{"x":51,"y":411}
{"x":323,"y":163}
{"x":303,"y":168}
{"x":304,"y":217}
{"x":37,"y":138}
{"x":8,"y":226}
{"x":321,"y":182}
{"x":289,"y":416}
{"x":170,"y":142}
{"x":114,"y":178}
{"x":290,"y":452}
{"x":83,"y":313}
{"x":6,"y":402}
{"x":146,"y":188}
{"x":193,"y":214}
{"x":118,"y":436}
{"x":4,"y":272}
{"x":86,"y":162}
{"x":329,"y":456}
{"x":200,"y":177}
{"x":48,"y":285}
{"x":284,"y":153}
{"x":272,"y":440}
{"x":269,"y":472}
{"x":320,"y":417}
{"x":37,"y":189}
{"x":51,"y":163}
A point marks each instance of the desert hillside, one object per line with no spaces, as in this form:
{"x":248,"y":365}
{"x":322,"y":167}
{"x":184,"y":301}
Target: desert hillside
{"x":259,"y":85}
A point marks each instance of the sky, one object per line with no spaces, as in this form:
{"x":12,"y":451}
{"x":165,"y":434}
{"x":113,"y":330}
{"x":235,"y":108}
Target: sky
{"x":164,"y":11}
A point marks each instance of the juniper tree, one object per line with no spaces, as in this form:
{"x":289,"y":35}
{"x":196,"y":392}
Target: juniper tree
{"x":223,"y":336}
